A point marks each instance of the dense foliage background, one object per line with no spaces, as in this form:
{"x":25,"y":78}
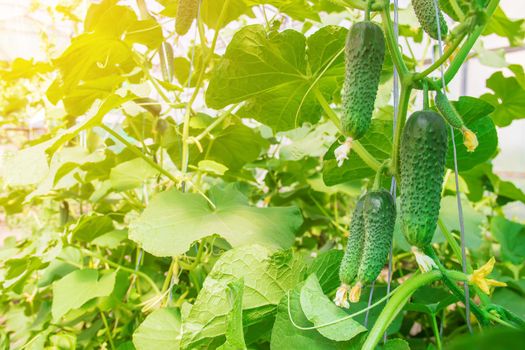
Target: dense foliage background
{"x":184,"y":193}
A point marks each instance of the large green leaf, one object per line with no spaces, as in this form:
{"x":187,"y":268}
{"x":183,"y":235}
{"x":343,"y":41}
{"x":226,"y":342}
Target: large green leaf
{"x":28,"y":166}
{"x":475,"y":113}
{"x":274,"y":72}
{"x":266,"y":279}
{"x":319,"y":310}
{"x":131,"y":174}
{"x":160,"y":330}
{"x":285,"y":336}
{"x":508,"y":96}
{"x":98,"y":61}
{"x":174,"y":220}
{"x":501,"y":25}
{"x":511,"y":236}
{"x":377,"y":141}
{"x":77,"y":288}
{"x":326,"y":268}
{"x":233,"y":145}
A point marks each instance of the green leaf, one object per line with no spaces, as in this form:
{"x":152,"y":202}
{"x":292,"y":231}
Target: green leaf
{"x":90,"y":227}
{"x":482,"y":178}
{"x":377,"y":141}
{"x":211,"y":11}
{"x":285,"y":336}
{"x":508,"y":96}
{"x":501,"y":25}
{"x":319,"y":310}
{"x":233,"y":146}
{"x":77,"y":288}
{"x":511,"y":236}
{"x":234,"y":332}
{"x":209,"y":166}
{"x":307,"y":141}
{"x":266,"y":279}
{"x":28,"y":166}
{"x":160,"y":330}
{"x":396,"y":344}
{"x":271,"y":73}
{"x":131,"y":174}
{"x":232,"y":218}
{"x":475,"y":113}
{"x":326,"y":268}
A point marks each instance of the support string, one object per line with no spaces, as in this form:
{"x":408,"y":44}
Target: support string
{"x":456,"y":176}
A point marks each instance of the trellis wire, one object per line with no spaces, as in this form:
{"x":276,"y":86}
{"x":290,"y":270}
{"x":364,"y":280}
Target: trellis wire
{"x":456,"y":177}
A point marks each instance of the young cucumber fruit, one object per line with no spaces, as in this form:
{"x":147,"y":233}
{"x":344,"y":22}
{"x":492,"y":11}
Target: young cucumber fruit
{"x":186,"y":13}
{"x":426,"y":14}
{"x":364,"y":56}
{"x":354,"y":246}
{"x":423,"y":151}
{"x":379,"y":214}
{"x":452,"y":116}
{"x":370,"y":238}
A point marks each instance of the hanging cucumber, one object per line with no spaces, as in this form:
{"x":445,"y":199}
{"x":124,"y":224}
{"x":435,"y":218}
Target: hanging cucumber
{"x":426,"y":15}
{"x":379,"y":216}
{"x":352,"y":257}
{"x":186,"y":13}
{"x":423,"y":151}
{"x":452,"y":116}
{"x":364,"y":55}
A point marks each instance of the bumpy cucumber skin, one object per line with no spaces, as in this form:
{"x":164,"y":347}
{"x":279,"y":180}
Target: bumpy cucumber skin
{"x":186,"y":13}
{"x":448,"y":111}
{"x":354,"y":247}
{"x":426,"y":15}
{"x":364,"y":56}
{"x":379,"y":214}
{"x":423,"y":151}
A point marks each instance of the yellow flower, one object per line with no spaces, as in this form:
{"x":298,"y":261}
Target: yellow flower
{"x":470,"y":139}
{"x":478,"y":277}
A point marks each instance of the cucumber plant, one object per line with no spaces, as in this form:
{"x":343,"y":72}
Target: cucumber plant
{"x":183,"y":192}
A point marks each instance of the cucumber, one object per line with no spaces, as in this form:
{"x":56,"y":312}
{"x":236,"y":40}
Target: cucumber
{"x":379,"y":217}
{"x":426,"y":15}
{"x":364,"y":56}
{"x":354,"y":246}
{"x":186,"y":13}
{"x":422,"y":167}
{"x":448,"y":111}
{"x":452,"y":116}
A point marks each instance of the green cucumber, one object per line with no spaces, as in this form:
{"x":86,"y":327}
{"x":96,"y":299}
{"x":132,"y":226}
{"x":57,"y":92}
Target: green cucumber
{"x":422,"y":167}
{"x":186,"y":13}
{"x":426,"y":15}
{"x":354,"y":247}
{"x":451,"y":115}
{"x":379,"y":217}
{"x":364,"y":56}
{"x":448,"y":111}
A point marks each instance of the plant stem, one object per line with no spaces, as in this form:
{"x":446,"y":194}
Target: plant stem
{"x":393,"y":47}
{"x":449,"y":276}
{"x":357,"y":147}
{"x":435,"y":329}
{"x":404,"y":98}
{"x":464,"y":51}
{"x":452,"y":241}
{"x":106,"y":325}
{"x":450,"y":50}
{"x":139,"y":153}
{"x":123,"y":268}
{"x":395,"y":305}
